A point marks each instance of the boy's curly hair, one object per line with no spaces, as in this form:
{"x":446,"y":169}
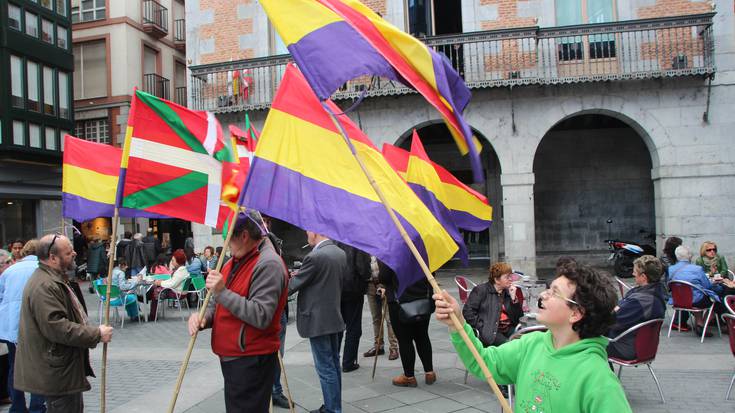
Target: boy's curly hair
{"x":597,"y":298}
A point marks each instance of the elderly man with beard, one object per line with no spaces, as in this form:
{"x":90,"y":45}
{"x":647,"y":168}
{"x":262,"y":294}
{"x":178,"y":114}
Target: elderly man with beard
{"x":54,"y":338}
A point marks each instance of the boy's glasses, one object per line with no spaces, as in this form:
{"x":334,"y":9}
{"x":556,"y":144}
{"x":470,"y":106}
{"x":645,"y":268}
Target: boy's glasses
{"x":558,"y":295}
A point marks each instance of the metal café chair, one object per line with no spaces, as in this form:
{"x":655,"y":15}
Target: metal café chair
{"x":622,"y":286}
{"x":465,"y":285}
{"x":729,"y":301}
{"x":646,"y":345}
{"x":730,"y":320}
{"x":682,"y":293}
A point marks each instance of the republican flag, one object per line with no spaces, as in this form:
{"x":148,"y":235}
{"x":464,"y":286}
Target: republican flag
{"x":469,"y":209}
{"x":423,"y":179}
{"x":172,"y":161}
{"x":334,"y":41}
{"x":304,"y":173}
{"x":90,"y":173}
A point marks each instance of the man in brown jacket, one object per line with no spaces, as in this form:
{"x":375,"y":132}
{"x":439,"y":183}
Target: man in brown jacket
{"x":52,"y":356}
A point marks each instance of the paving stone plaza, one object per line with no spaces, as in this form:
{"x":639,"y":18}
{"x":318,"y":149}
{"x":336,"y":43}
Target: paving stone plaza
{"x":144,"y":361}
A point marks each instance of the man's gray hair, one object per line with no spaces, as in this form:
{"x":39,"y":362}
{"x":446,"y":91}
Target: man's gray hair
{"x":682,"y":253}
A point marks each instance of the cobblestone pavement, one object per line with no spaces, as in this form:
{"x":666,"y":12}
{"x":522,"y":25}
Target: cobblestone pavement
{"x":144,"y":360}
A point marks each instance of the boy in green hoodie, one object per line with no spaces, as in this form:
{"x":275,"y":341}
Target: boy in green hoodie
{"x":563,"y":370}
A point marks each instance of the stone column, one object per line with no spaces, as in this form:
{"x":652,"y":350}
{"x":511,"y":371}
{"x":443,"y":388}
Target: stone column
{"x":518,"y":220}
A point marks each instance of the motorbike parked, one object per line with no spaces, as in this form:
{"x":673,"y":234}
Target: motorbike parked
{"x":623,"y":253}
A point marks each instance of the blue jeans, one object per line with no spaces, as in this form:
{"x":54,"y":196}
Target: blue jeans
{"x":325,"y":350}
{"x":18,"y":397}
{"x":277,"y":388}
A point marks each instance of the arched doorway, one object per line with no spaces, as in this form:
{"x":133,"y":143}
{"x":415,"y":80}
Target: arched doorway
{"x":591,"y":168}
{"x":486,"y":245}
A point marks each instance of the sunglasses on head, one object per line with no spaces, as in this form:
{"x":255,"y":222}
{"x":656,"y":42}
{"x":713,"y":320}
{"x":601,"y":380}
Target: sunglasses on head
{"x":56,"y":236}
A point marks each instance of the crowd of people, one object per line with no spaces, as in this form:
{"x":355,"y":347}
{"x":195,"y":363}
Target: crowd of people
{"x":44,"y":324}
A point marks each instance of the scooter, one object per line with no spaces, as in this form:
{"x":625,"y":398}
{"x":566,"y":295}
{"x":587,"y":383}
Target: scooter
{"x":623,"y":253}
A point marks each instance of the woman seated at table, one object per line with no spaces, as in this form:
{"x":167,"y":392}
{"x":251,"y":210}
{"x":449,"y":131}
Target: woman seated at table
{"x":647,"y":301}
{"x":118,"y":279}
{"x":711,"y":262}
{"x":160,"y":266}
{"x":492,"y":308}
{"x":715,"y":266}
{"x":176,"y":282}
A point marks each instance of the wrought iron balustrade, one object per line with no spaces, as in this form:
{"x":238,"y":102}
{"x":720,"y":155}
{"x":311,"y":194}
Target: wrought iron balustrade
{"x":180,"y":95}
{"x":156,"y":85}
{"x":636,"y":49}
{"x":155,"y":18}
{"x":179,"y":30}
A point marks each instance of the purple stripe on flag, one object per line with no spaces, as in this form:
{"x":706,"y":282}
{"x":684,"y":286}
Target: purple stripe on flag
{"x":441,"y":213}
{"x":467,"y":221}
{"x":83,"y":209}
{"x":340,"y":215}
{"x":336,"y":53}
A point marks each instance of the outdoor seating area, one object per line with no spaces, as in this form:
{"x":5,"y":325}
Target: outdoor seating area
{"x":646,"y":335}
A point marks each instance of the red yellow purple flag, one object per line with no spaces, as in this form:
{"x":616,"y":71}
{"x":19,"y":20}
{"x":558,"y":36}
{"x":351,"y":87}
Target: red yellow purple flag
{"x":304,"y":173}
{"x":334,"y":41}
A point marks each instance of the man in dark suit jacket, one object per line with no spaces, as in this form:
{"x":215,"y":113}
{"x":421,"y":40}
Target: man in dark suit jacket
{"x":318,"y":316}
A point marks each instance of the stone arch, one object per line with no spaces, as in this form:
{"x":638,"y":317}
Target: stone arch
{"x":439,"y":145}
{"x":589,"y":167}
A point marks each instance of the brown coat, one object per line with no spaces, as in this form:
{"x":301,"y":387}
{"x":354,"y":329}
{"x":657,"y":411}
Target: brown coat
{"x":52,"y":357}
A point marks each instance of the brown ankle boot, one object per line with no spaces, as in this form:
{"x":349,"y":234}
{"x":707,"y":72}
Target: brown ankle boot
{"x":404,"y":381}
{"x":430,"y":377}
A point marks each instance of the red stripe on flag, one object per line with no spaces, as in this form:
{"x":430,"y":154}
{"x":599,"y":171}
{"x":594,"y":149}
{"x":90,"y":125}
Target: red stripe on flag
{"x":303,"y":103}
{"x":97,"y":157}
{"x":144,"y":174}
{"x":196,"y":203}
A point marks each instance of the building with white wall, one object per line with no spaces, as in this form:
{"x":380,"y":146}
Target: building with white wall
{"x":589,"y":111}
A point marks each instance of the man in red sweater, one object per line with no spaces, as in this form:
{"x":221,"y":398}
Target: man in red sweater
{"x":250,"y":294}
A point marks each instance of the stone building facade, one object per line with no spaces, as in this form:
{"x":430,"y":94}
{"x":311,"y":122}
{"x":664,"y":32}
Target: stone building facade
{"x":650,"y":152}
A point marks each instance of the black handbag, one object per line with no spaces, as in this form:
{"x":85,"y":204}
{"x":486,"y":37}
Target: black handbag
{"x":415,"y":311}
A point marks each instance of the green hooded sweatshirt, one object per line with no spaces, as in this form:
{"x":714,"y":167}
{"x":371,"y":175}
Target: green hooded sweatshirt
{"x":573,"y":379}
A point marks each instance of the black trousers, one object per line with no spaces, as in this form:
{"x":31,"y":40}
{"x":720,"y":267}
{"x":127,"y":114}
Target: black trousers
{"x":351,"y":307}
{"x":71,"y":403}
{"x":408,"y":335}
{"x":248,"y":383}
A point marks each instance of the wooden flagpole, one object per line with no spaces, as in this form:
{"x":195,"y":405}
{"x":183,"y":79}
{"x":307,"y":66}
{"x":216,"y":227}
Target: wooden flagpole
{"x":202,"y":310}
{"x":380,"y":333}
{"x":285,"y":382}
{"x":432,"y":281}
{"x":110,"y":266}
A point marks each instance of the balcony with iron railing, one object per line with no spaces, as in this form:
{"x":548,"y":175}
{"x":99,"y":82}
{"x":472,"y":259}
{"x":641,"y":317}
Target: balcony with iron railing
{"x":180,"y":95}
{"x":156,"y":85}
{"x":155,"y":18}
{"x":180,"y":34}
{"x":636,"y":49}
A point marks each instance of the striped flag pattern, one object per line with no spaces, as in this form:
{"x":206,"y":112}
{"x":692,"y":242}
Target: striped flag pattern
{"x":173,"y":161}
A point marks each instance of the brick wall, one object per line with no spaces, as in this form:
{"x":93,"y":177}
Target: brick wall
{"x":507,"y":16}
{"x":666,"y":8}
{"x":510,"y":57}
{"x":672,"y":43}
{"x":377,"y":6}
{"x":226,"y":31}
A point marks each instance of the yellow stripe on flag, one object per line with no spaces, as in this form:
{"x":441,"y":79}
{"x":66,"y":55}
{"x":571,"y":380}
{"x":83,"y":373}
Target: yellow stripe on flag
{"x":88,"y":184}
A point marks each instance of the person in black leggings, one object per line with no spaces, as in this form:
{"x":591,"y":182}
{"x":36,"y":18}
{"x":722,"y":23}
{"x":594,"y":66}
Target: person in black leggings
{"x":408,"y":334}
